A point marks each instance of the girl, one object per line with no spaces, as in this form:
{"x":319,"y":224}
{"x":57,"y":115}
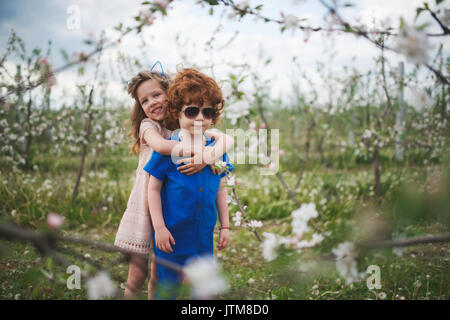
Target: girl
{"x":184,"y":208}
{"x":135,"y":233}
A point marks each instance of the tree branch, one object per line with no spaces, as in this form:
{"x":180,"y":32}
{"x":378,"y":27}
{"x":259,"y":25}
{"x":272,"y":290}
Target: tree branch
{"x":405,"y":242}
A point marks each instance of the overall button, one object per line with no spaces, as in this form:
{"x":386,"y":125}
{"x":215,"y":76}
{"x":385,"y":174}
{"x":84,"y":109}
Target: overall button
{"x":201,"y":189}
{"x":199,"y":207}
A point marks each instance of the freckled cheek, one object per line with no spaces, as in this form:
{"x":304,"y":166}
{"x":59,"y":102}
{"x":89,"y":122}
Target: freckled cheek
{"x":164,"y":101}
{"x":146,"y":109}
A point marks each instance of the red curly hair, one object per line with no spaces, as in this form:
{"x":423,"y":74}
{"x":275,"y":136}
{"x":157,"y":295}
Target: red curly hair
{"x":191,"y":87}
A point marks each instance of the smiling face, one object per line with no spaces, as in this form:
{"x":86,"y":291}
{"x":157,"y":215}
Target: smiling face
{"x":195,"y":124}
{"x":153,"y":99}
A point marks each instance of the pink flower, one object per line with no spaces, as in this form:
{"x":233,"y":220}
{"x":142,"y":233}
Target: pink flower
{"x":162,"y":3}
{"x":51,"y":81}
{"x":282,"y":152}
{"x":43,"y":61}
{"x":263,"y":125}
{"x":54,"y":220}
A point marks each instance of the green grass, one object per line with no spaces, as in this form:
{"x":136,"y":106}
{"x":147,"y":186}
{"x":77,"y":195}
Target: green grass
{"x":344,"y":198}
{"x":421,"y":273}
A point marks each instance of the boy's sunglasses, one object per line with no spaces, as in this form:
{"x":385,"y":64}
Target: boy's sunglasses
{"x":193,"y":111}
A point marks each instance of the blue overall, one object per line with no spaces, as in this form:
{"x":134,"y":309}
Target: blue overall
{"x":189,"y":212}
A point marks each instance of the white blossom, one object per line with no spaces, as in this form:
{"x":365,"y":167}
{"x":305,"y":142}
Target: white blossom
{"x":205,"y":278}
{"x":301,"y":216}
{"x":100,"y":286}
{"x":231,"y":181}
{"x":420,"y":99}
{"x":237,"y":219}
{"x":345,"y":262}
{"x":237,"y":110}
{"x":367,"y":134}
{"x":316,"y":239}
{"x":221,"y":164}
{"x":270,"y":246}
{"x":444,"y":17}
{"x":255,"y":224}
{"x":413,"y":44}
{"x":163,"y":3}
{"x":243,"y":4}
{"x":290,"y":21}
{"x":227,"y":90}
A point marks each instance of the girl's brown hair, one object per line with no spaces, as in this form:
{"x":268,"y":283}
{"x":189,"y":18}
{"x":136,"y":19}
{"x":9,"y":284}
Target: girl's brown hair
{"x":192,"y":87}
{"x":138,"y":114}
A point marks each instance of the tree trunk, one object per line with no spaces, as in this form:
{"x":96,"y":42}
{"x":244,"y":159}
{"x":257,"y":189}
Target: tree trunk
{"x":307,"y":146}
{"x":84,"y":151}
{"x":399,"y":152}
{"x":376,"y":171}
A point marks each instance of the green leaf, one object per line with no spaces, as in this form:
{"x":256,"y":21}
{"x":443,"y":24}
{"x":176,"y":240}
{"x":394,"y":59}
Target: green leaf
{"x":419,"y":11}
{"x":423,"y":26}
{"x":438,"y":2}
{"x":402,"y":23}
{"x":212,"y":2}
{"x":119,"y":27}
{"x":348,"y":28}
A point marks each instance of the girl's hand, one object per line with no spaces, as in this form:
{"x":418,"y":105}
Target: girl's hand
{"x":213,"y":169}
{"x":197,"y":162}
{"x":224,"y":238}
{"x":163,"y":239}
{"x":192,"y":165}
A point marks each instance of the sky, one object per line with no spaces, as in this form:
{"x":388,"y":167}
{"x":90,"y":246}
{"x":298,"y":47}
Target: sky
{"x":37,"y":22}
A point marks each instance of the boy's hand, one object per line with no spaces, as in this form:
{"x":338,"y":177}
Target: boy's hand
{"x":163,"y":239}
{"x":224,"y":238}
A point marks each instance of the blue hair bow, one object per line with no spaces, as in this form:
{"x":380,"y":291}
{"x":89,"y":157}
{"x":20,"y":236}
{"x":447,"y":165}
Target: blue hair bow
{"x":162,"y":69}
{"x":151,"y":70}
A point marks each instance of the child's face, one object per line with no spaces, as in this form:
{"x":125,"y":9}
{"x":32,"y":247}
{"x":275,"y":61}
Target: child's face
{"x":153,"y":99}
{"x":196,"y":123}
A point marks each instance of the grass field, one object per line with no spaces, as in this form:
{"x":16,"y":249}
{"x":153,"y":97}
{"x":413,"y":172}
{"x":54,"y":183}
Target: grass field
{"x":343,"y":198}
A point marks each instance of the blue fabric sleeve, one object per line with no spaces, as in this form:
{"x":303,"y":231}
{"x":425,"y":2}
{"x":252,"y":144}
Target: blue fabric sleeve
{"x":158,"y":165}
{"x":229,"y":165}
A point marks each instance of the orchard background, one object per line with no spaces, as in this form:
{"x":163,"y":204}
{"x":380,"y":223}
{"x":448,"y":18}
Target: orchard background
{"x":361,"y":175}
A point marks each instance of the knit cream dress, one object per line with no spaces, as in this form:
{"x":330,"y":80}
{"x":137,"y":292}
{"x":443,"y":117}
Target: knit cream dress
{"x":135,"y":231}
